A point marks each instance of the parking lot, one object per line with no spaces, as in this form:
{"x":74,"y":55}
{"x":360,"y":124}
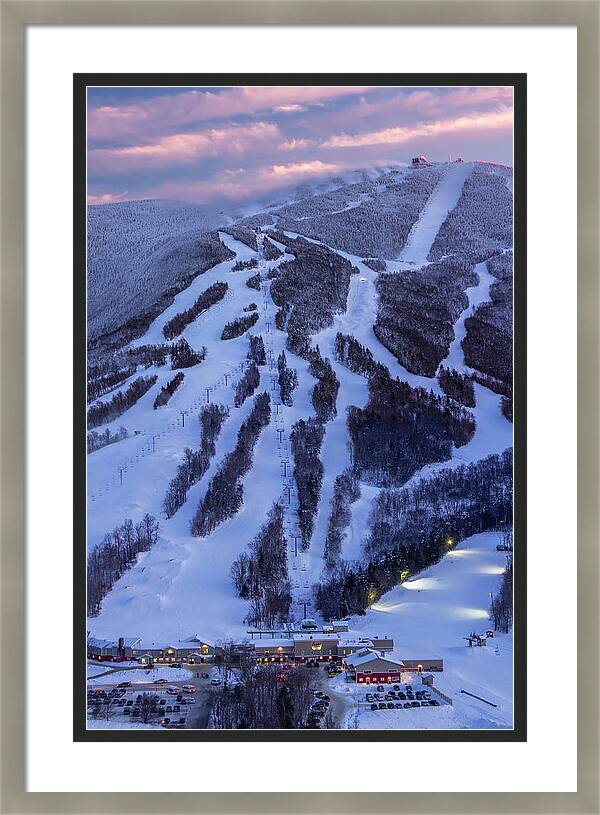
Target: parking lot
{"x":399,"y":697}
{"x":128,"y":704}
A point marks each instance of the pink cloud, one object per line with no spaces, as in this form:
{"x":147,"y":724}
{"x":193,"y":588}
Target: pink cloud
{"x":295,"y":144}
{"x":123,"y":122}
{"x":241,"y":184}
{"x":107,"y":198}
{"x":299,"y":170}
{"x":182,"y":148}
{"x":290,"y":108}
{"x":494,"y":120}
{"x":425,"y":101}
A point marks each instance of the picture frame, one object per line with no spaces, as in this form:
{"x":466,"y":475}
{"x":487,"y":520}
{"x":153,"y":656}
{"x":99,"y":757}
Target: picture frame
{"x":16,"y":16}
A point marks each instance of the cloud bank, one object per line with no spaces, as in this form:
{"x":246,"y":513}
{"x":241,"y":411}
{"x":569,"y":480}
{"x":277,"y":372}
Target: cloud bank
{"x":227,"y":145}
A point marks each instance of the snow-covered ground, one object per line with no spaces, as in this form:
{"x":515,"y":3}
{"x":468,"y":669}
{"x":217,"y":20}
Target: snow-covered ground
{"x":183,"y":584}
{"x":141,"y":675}
{"x":428,"y":616}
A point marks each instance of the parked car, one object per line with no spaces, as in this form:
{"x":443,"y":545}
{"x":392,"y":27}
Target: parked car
{"x":398,"y":705}
{"x":165,"y":722}
{"x":415,"y":704}
{"x":406,"y":705}
{"x":215,"y":681}
{"x":129,"y":702}
{"x":382,"y":706}
{"x":374,"y":706}
{"x":125,"y":685}
{"x":396,"y":687}
{"x":380,"y":688}
{"x":189,"y":688}
{"x":390,"y":705}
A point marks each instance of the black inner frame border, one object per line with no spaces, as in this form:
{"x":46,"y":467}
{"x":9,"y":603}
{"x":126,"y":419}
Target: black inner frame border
{"x":519,"y":84}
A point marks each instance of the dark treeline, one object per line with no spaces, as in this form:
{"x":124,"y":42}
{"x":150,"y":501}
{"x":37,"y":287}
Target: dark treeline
{"x":324,"y":393}
{"x":261,"y":575}
{"x":102,"y":384}
{"x":314,"y":286}
{"x":457,"y":386}
{"x":377,"y":264}
{"x":256,"y":352}
{"x":417,"y":312}
{"x":506,"y":406}
{"x":148,"y":355}
{"x":480,"y":225}
{"x":251,"y":307}
{"x":183,"y":355}
{"x":346,"y":491}
{"x":306,"y":439}
{"x":97,"y":440}
{"x":488,"y":345}
{"x":355,"y":356}
{"x":288,"y":380}
{"x":247,"y":384}
{"x":243,"y":265}
{"x":495,"y":385}
{"x":168,"y":390}
{"x":107,"y":411}
{"x":253,"y":282}
{"x":195,"y":462}
{"x":243,"y":234}
{"x":501,"y":610}
{"x":455,"y":502}
{"x":225,"y":493}
{"x":271,"y":251}
{"x":411,"y":529}
{"x":402,"y":429}
{"x":116,"y":553}
{"x":238,"y":326}
{"x":208,"y":298}
{"x":281,"y":316}
{"x":260,"y":701}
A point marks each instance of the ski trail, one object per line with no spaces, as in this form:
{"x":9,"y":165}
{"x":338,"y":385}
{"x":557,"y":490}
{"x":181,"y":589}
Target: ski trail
{"x":274,"y":344}
{"x":423,"y":233}
{"x":477,"y":294}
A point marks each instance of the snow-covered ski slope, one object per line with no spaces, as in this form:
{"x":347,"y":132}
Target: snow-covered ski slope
{"x":429,"y":615}
{"x":444,"y":198}
{"x":183,"y":584}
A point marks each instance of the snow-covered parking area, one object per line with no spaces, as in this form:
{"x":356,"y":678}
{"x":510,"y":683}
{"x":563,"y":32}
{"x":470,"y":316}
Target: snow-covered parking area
{"x":140,"y":676}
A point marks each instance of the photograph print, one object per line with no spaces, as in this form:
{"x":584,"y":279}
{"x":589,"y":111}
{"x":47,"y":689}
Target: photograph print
{"x":297,"y":510}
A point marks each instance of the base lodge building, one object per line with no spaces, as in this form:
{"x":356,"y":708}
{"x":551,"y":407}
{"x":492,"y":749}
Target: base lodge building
{"x":193,"y":650}
{"x":363,"y":658}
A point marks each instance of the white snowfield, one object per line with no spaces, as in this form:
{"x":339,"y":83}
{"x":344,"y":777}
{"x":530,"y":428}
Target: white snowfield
{"x":429,"y":615}
{"x":184,"y":584}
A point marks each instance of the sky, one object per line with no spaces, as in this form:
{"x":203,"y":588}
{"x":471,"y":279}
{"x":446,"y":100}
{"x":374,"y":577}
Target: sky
{"x":233,"y":145}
